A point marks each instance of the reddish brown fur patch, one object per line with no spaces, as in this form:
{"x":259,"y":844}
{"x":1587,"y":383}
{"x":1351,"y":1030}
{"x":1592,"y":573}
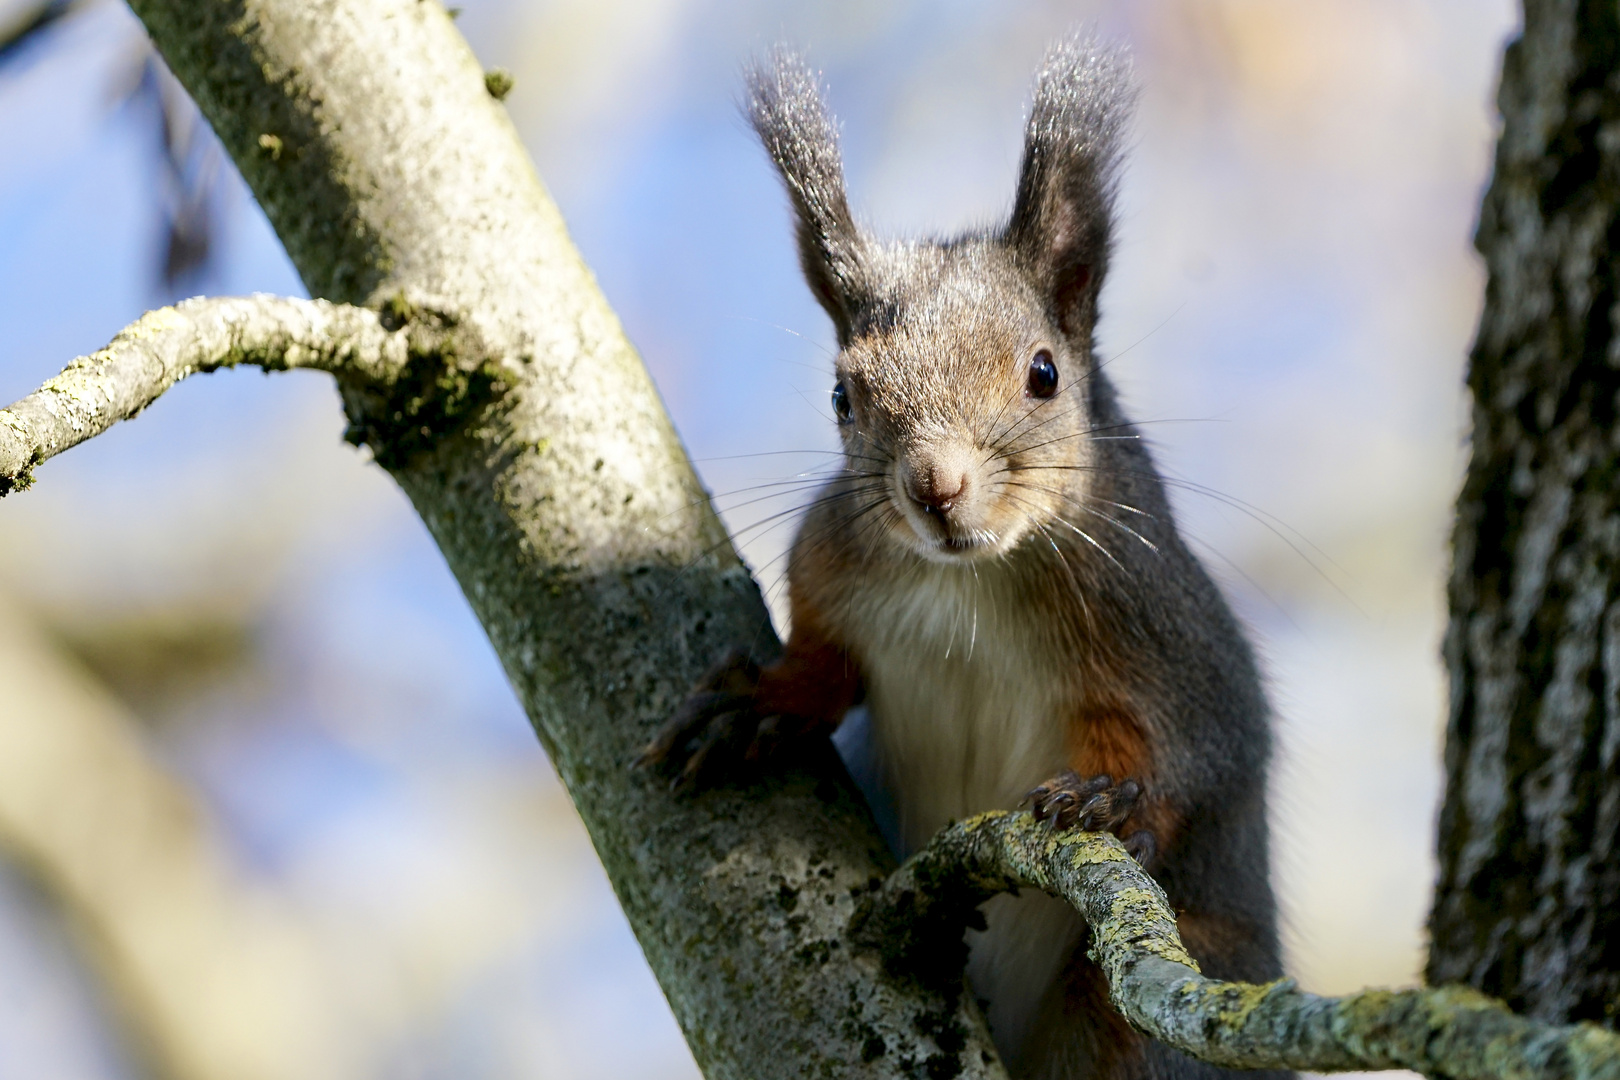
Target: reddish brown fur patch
{"x":1109,"y":741}
{"x":816,"y":679}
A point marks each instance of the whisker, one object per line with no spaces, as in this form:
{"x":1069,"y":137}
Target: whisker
{"x":813,"y":406}
{"x":770,"y":453}
{"x":1012,"y":430}
{"x":1001,"y":446}
{"x":786,"y":330}
{"x":973,"y":633}
{"x":829,"y":528}
{"x":1151,"y":546}
{"x":1270,"y":522}
{"x":1127,"y":507}
{"x":1090,"y":433}
{"x":882,"y":524}
{"x":996,"y":419}
{"x":824,"y":533}
{"x":1162,"y":324}
{"x":1212,"y":550}
{"x":1079,"y":590}
{"x":797,"y":480}
{"x":1087,"y":537}
{"x":777,"y":495}
{"x":773,"y":519}
{"x":1084,"y":378}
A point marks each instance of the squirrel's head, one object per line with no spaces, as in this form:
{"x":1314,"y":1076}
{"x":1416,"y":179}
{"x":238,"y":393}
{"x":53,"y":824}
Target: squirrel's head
{"x":965,"y":366}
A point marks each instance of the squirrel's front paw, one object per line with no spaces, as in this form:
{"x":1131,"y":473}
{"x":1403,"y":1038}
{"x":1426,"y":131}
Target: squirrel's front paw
{"x":1096,"y":804}
{"x":718,"y":731}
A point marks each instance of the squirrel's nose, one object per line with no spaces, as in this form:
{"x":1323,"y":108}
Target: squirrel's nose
{"x":936,"y":489}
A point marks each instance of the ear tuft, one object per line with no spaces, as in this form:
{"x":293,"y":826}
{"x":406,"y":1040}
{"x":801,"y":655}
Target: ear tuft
{"x":788,"y":113}
{"x":1062,"y":220}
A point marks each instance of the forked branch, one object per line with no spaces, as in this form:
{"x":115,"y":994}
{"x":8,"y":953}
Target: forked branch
{"x":1447,"y":1031}
{"x":162,"y":347}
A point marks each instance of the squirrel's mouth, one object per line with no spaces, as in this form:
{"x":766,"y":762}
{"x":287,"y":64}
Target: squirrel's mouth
{"x":957,"y":545}
{"x":947,"y":531}
{"x":968,"y":543}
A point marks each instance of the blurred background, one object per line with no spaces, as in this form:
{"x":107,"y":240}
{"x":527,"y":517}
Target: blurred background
{"x":267,"y":807}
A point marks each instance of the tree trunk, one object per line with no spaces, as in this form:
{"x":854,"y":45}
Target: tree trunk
{"x":1527,"y":907}
{"x":528,"y":436}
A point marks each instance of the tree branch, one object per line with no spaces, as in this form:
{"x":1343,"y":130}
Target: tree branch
{"x":162,"y":347}
{"x":214,"y":975}
{"x":1447,"y":1031}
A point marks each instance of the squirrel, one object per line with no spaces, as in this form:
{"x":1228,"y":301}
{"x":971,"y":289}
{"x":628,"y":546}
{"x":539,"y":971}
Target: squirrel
{"x":995,"y":574}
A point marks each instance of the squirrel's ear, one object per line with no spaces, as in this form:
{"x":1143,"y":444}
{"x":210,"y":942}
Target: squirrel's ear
{"x":786,"y":109}
{"x":1063,"y":216}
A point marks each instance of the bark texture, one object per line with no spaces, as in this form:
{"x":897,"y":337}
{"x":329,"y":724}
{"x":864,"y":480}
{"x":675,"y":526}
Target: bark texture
{"x":535,"y":448}
{"x":1527,"y":907}
{"x":1452,"y":1031}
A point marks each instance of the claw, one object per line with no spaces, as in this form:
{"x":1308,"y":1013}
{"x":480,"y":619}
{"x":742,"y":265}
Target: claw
{"x":766,"y":737}
{"x":1095,"y":804}
{"x":1142,"y":847}
{"x":717,"y":734}
{"x":1052,"y":804}
{"x":1093,"y":786}
{"x":695,"y":712}
{"x":720,"y":731}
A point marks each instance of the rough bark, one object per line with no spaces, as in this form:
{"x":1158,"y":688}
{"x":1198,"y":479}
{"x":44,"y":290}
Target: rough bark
{"x":1527,"y":907}
{"x":538,"y":454}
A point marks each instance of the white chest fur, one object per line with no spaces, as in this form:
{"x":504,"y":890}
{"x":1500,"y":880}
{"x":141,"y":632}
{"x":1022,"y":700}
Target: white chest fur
{"x":966,"y":716}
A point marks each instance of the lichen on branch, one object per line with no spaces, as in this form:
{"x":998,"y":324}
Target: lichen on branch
{"x":164,"y":346}
{"x":1447,"y":1031}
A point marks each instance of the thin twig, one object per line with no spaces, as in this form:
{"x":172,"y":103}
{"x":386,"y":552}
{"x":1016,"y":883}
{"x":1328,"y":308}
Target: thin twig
{"x":162,"y":347}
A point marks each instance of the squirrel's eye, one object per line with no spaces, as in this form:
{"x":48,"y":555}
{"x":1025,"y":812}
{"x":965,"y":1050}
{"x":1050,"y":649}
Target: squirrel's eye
{"x":1043,"y":377}
{"x":841,"y":409}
